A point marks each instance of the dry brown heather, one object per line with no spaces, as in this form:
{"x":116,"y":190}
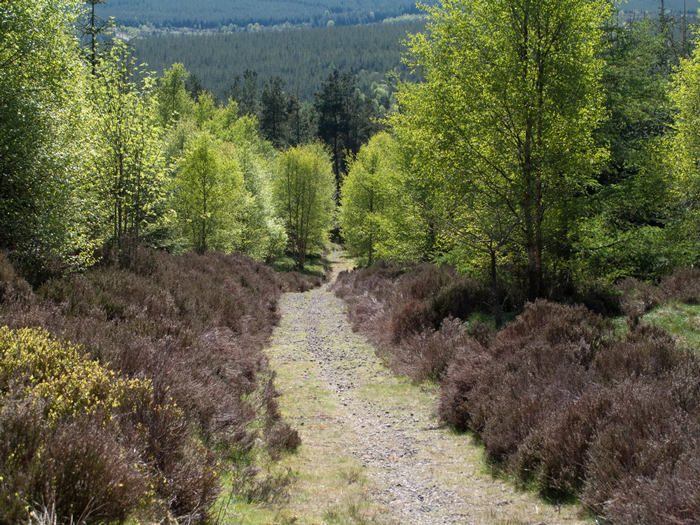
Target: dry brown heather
{"x":194,"y":327}
{"x":557,"y":398}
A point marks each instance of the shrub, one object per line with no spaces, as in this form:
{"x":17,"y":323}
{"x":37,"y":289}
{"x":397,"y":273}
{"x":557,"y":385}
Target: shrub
{"x":426,"y":355}
{"x":554,"y":455}
{"x":638,"y":297}
{"x":70,"y":383}
{"x":642,"y":432}
{"x":402,"y":310}
{"x":190,"y":329}
{"x":460,"y":380}
{"x":683,"y":285}
{"x":59,"y":442}
{"x":646,"y":351}
{"x":561,"y":403}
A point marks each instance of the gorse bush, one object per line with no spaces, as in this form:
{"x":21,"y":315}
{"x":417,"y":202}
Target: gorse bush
{"x":33,"y":364}
{"x":164,"y":379}
{"x":60,"y":442}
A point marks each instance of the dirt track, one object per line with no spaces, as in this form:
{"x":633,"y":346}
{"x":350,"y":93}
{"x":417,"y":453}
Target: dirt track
{"x":372,"y":450}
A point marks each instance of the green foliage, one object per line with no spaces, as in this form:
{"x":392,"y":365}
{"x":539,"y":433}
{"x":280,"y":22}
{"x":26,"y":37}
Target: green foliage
{"x":304,"y":192}
{"x":173,"y":102}
{"x":683,"y":150}
{"x":376,"y":218}
{"x":206,"y":185}
{"x":274,"y":104}
{"x":37,"y":366}
{"x":625,"y":227}
{"x":130,"y":178}
{"x":499,"y":136}
{"x":45,"y":133}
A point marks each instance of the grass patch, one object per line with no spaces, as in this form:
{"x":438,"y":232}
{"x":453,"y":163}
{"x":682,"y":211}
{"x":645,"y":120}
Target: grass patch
{"x":351,"y":512}
{"x":316,"y":265}
{"x":680,"y":320}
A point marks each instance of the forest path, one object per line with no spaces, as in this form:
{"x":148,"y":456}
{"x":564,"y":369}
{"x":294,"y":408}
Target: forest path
{"x":372,"y":450}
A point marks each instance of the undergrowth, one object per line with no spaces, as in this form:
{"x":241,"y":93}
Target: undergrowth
{"x":162,"y":385}
{"x":559,"y":398}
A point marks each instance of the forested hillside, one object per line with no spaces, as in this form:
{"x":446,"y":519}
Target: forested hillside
{"x":302,"y":58}
{"x":218,"y":13}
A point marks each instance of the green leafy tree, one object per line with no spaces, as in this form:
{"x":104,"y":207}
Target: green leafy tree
{"x":45,"y":133}
{"x":198,"y":193}
{"x":367,"y":195}
{"x":505,"y":114}
{"x":683,"y":149}
{"x":304,"y":191}
{"x":173,"y":101}
{"x":130,"y":164}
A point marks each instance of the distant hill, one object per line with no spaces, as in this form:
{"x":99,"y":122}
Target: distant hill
{"x":210,"y":14}
{"x":213,"y":14}
{"x":652,"y":6}
{"x":302,"y":57}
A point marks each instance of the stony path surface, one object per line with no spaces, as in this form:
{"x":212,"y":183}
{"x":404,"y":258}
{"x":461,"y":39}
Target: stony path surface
{"x":372,"y":450}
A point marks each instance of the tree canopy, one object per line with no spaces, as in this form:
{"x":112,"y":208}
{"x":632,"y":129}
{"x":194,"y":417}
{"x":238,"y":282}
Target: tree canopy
{"x":304,"y":191}
{"x":505,"y":117}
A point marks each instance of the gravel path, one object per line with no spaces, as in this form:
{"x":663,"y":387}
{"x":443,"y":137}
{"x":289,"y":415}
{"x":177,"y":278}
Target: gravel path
{"x":372,"y":450}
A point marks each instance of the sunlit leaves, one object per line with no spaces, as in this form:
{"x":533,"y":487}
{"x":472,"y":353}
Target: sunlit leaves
{"x":501,"y":129}
{"x":304,"y":191}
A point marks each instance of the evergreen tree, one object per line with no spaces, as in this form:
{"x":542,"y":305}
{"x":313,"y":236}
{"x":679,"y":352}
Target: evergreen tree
{"x":245,"y":94}
{"x":94,"y":27}
{"x":274,"y":104}
{"x":301,"y":121}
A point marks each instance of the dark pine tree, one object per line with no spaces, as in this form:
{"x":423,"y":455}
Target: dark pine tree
{"x":333,"y":116}
{"x":274,"y":104}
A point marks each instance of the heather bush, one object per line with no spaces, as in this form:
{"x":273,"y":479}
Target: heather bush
{"x":638,"y":297}
{"x":683,"y":285}
{"x":556,"y":398}
{"x":561,"y":402}
{"x":458,"y":385}
{"x":670,"y":497}
{"x":412,"y":313}
{"x":553,"y":456}
{"x":187,"y":331}
{"x":60,"y":443}
{"x":646,"y":351}
{"x":538,"y":364}
{"x":86,"y":471}
{"x":599,"y":296}
{"x":426,"y":355}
